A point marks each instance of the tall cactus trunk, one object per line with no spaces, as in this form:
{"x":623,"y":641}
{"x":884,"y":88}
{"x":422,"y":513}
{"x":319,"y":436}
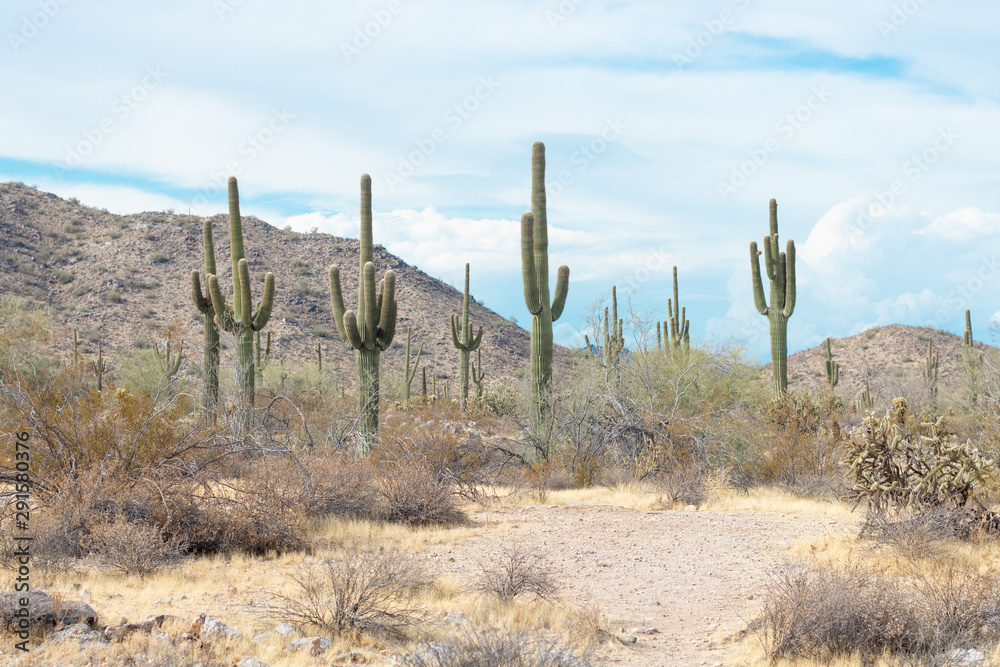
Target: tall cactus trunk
{"x":462,"y":338}
{"x":463,"y":376}
{"x":779,"y":350}
{"x":210,"y":365}
{"x":368,"y":397}
{"x":245,"y":384}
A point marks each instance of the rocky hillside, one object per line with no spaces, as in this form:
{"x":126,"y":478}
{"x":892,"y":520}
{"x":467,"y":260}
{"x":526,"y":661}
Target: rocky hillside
{"x":890,"y":358}
{"x":125,"y":280}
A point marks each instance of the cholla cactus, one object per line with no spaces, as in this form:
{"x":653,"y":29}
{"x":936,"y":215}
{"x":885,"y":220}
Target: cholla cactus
{"x":886,"y":469}
{"x":832,"y":367}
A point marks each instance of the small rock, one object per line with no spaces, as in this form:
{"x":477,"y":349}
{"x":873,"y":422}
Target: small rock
{"x":315,"y":645}
{"x":120,"y":632}
{"x":628,"y":639}
{"x":215,"y":627}
{"x":263,"y":637}
{"x":349,"y":658}
{"x":251,"y":662}
{"x":690,"y":508}
{"x":643,"y":630}
{"x":162,"y":601}
{"x":80,"y":632}
{"x":967,"y":656}
{"x":41,"y":610}
{"x":284,"y":628}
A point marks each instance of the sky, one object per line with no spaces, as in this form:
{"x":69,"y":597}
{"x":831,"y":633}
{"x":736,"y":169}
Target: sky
{"x":668,"y":127}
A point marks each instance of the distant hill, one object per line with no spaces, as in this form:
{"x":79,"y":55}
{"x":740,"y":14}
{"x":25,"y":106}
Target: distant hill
{"x":889,"y":357}
{"x":125,"y":279}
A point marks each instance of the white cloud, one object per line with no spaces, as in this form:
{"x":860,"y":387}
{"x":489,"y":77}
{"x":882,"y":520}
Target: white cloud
{"x":966,"y":223}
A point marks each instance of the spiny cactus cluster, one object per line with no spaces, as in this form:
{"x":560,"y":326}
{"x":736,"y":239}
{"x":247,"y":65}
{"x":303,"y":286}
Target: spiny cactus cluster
{"x":462,"y":338}
{"x":888,"y":468}
{"x":780,"y":270}
{"x":371,"y":330}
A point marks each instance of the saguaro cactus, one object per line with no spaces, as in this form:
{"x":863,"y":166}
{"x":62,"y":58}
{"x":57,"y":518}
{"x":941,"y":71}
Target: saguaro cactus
{"x":240,"y":319}
{"x":832,"y":367}
{"x":680,"y":335}
{"x":478,"y":374}
{"x":780,"y":268}
{"x":371,"y":330}
{"x":614,"y":339}
{"x":167,"y":362}
{"x":967,"y":342}
{"x":76,"y":352}
{"x":423,"y":374}
{"x":535,"y":276}
{"x":462,"y":338}
{"x":203,"y":302}
{"x":319,"y":357}
{"x":931,"y":370}
{"x":99,"y":366}
{"x":408,"y":374}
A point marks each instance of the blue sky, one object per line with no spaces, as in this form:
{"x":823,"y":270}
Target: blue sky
{"x":668,"y":127}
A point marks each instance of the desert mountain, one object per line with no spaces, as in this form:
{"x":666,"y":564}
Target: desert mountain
{"x":891,"y":358}
{"x":125,"y":280}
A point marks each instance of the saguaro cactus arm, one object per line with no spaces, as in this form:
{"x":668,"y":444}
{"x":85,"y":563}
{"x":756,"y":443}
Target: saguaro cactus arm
{"x":337,"y":303}
{"x":789,"y":271}
{"x":528,"y":274}
{"x":224,"y":315}
{"x":562,"y":290}
{"x":263,"y":314}
{"x":759,"y":300}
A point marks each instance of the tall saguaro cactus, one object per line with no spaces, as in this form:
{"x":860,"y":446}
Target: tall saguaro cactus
{"x":167,"y":362}
{"x":462,"y":338}
{"x":370,"y":330}
{"x":780,"y":268}
{"x":409,"y":373}
{"x":203,"y":302}
{"x":614,"y":338}
{"x":478,"y":374}
{"x":241,"y":320}
{"x":680,"y":335}
{"x":832,"y":367}
{"x":262,"y":355}
{"x":931,"y":370}
{"x":535,"y":276}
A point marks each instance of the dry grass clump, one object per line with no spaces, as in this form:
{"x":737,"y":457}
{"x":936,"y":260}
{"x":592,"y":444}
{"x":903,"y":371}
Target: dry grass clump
{"x":821,"y":613}
{"x":498,"y":647}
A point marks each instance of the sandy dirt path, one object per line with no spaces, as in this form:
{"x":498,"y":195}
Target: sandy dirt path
{"x":685,"y":573}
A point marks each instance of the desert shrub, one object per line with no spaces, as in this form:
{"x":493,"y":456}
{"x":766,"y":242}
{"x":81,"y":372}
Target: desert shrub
{"x":63,"y":277}
{"x":497,"y":647}
{"x":363,"y":589}
{"x":513,"y":572}
{"x":821,"y":613}
{"x":683,"y":484}
{"x":114,"y":297}
{"x":412,"y":492}
{"x":129,"y":547}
